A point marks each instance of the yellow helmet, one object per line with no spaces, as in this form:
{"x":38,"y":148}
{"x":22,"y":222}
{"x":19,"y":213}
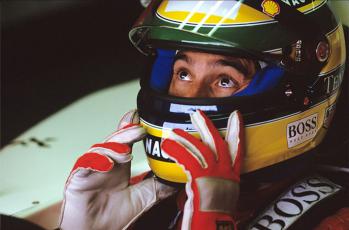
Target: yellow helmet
{"x":302,"y":47}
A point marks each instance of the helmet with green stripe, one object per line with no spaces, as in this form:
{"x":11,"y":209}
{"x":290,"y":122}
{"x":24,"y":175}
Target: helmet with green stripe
{"x":288,"y":105}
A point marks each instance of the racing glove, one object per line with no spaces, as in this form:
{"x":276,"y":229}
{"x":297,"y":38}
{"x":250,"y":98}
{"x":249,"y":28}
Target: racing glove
{"x":212,"y":166}
{"x":97,"y":192}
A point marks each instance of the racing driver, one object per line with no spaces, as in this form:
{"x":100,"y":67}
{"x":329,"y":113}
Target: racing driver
{"x":232,"y":114}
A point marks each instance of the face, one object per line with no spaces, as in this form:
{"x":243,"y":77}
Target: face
{"x":197,"y":74}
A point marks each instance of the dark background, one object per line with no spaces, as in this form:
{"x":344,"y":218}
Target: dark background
{"x":54,"y":52}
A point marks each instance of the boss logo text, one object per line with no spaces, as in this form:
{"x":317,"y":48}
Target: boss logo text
{"x":301,"y":130}
{"x":288,"y":208}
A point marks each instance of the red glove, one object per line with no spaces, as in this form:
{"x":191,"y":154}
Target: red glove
{"x":97,"y":193}
{"x":213,"y":170}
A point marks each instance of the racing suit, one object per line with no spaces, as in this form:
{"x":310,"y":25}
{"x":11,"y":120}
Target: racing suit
{"x":320,"y":200}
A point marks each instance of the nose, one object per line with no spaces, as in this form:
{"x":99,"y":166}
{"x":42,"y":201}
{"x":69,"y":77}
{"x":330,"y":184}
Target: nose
{"x":200,"y":89}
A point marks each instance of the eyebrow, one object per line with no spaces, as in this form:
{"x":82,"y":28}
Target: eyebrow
{"x":181,"y":56}
{"x":235,"y":63}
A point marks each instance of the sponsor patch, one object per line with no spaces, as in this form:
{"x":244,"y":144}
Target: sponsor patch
{"x":302,"y":130}
{"x":295,"y":202}
{"x":305,"y":6}
{"x":178,"y":108}
{"x":298,"y":3}
{"x":171,"y":125}
{"x":332,"y":82}
{"x":152,"y":146}
{"x":270,"y":8}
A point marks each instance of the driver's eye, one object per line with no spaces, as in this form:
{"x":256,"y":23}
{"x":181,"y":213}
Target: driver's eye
{"x":184,"y":75}
{"x":226,"y":82}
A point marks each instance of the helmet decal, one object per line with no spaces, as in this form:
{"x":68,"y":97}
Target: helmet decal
{"x":301,"y":130}
{"x":270,"y":7}
{"x":308,"y":6}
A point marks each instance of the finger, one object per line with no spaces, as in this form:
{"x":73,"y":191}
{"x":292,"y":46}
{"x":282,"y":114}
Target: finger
{"x":130,"y":117}
{"x":94,"y":170}
{"x":128,"y":130}
{"x":201,"y":151}
{"x":120,"y":153}
{"x":194,"y":146}
{"x":234,"y":137}
{"x":129,"y":134}
{"x":94,"y":162}
{"x":208,"y":132}
{"x":181,"y":155}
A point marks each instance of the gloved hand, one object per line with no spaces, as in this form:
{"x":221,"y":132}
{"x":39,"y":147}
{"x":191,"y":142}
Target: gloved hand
{"x":213,"y":170}
{"x":97,"y":192}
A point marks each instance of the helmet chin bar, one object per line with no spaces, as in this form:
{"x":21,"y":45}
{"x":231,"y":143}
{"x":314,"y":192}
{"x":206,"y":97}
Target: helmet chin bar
{"x":161,"y":112}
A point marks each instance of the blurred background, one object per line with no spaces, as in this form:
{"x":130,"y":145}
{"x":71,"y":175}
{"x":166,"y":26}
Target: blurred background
{"x":66,"y":68}
{"x":54,"y":52}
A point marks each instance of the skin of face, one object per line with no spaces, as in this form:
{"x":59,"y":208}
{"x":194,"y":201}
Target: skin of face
{"x":199,"y":75}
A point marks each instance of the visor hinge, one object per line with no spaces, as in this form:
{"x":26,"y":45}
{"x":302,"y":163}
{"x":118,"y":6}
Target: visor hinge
{"x":298,"y":97}
{"x":308,"y":98}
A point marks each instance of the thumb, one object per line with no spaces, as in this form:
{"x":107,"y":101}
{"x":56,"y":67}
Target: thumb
{"x":150,"y":191}
{"x":129,"y":130}
{"x":131,"y":117}
{"x":127,"y":135}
